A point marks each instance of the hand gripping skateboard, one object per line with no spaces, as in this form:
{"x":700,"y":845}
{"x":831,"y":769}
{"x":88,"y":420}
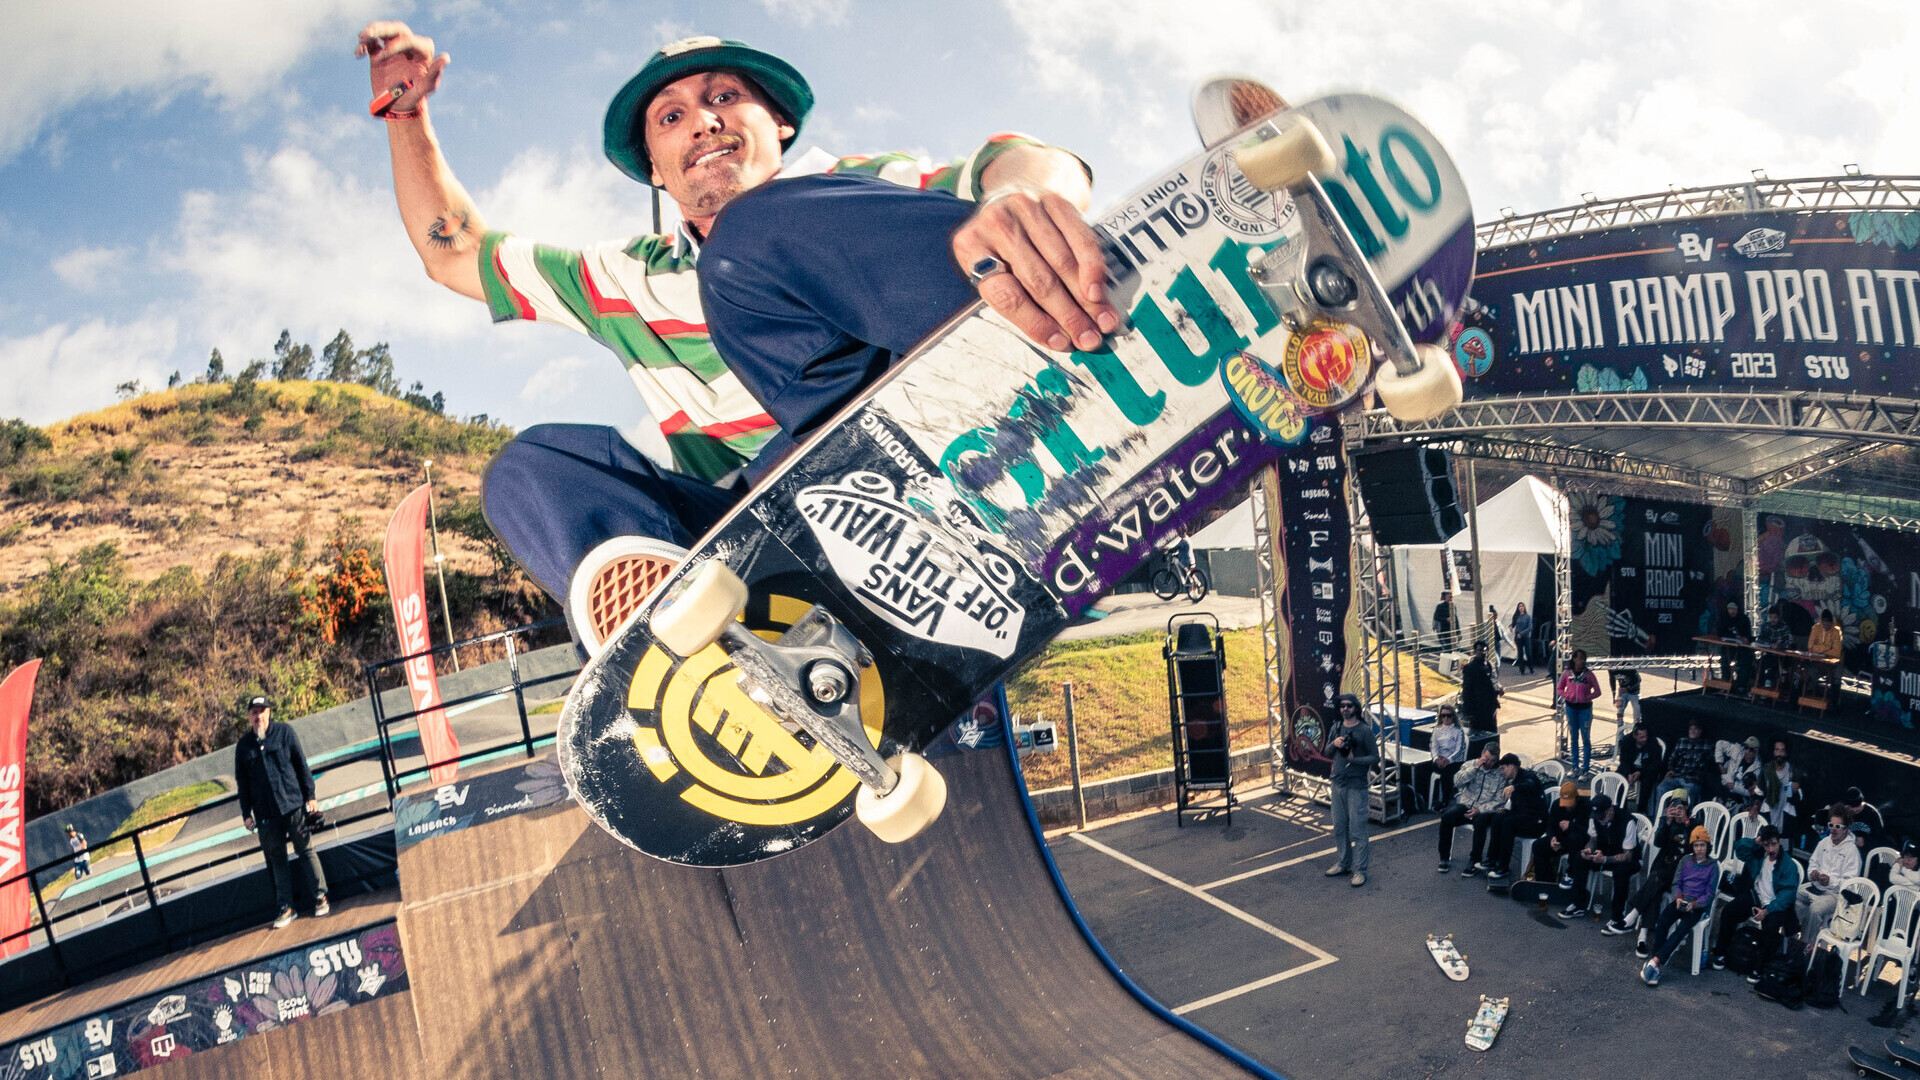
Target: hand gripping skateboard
{"x":972,"y":501}
{"x":1448,"y":957}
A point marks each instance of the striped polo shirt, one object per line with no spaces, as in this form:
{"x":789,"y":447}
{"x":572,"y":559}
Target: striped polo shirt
{"x":641,"y":299}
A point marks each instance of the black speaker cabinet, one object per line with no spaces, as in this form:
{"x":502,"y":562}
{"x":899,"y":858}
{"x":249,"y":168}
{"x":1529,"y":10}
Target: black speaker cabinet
{"x":1409,"y":495}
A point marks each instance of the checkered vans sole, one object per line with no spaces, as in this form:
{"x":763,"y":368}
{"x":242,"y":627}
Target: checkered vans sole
{"x":619,"y":576}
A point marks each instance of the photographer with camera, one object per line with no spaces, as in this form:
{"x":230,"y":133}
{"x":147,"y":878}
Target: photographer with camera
{"x":1354,"y":754}
{"x":276,"y":794}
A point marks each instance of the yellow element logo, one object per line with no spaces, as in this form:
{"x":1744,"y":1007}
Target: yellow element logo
{"x":748,"y":768}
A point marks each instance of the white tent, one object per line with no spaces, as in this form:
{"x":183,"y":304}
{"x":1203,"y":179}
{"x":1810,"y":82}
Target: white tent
{"x":1233,"y":529}
{"x":1517,"y":526}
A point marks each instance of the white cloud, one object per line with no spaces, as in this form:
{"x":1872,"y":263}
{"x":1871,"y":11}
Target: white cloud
{"x":1537,"y":99}
{"x":808,"y":12}
{"x":557,"y":380}
{"x":67,"y":369}
{"x":83,"y":268}
{"x":578,"y":200}
{"x":83,"y":50}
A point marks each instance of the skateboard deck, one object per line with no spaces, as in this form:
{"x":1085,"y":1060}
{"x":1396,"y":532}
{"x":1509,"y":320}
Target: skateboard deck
{"x":1551,"y":893}
{"x":977,"y":497}
{"x":1905,"y":1055}
{"x":1869,"y":1064}
{"x":1485,"y":1026}
{"x":1448,"y":957}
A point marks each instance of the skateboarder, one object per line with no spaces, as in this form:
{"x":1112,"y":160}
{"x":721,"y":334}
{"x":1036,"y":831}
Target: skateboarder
{"x":706,"y":120}
{"x":1612,"y":848}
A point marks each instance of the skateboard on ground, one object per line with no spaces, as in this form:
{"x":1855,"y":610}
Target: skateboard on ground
{"x":983,"y":492}
{"x":1486,"y":1023}
{"x":1904,"y":1054}
{"x":1448,"y":957}
{"x":1869,"y":1064}
{"x":1550,"y":893}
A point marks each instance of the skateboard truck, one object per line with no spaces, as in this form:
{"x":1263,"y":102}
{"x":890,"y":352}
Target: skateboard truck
{"x":1324,"y":278}
{"x":808,"y":681}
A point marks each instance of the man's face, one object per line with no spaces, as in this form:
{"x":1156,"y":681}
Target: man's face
{"x":1694,"y":731}
{"x":1700,"y":849}
{"x":712,"y":136}
{"x":257,"y":716}
{"x":1772,"y":848}
{"x":1640,"y":736}
{"x":1487,"y":759}
{"x":1779,"y":751}
{"x":1836,"y":829}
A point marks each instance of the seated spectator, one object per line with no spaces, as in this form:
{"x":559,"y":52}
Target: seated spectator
{"x":1695,"y":881}
{"x":1826,"y":639}
{"x":1642,"y":764}
{"x":1566,"y":832}
{"x":1753,"y":809}
{"x":1524,"y":815}
{"x":1449,"y":749}
{"x":1782,"y":790}
{"x":1476,"y":798}
{"x":1739,"y":769}
{"x":1671,"y":839}
{"x":1835,"y":859}
{"x":1736,"y":663}
{"x":1763,"y":894}
{"x":1613,"y":848}
{"x":1865,"y":814}
{"x":1689,"y":765}
{"x":1774,"y":634}
{"x":1906,"y":869}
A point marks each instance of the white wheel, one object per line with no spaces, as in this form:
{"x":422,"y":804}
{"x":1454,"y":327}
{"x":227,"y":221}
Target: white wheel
{"x":696,"y":611}
{"x":1426,"y":393}
{"x":910,"y":807}
{"x":1287,"y":158}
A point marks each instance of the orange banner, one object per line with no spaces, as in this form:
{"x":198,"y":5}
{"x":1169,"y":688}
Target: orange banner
{"x":406,"y":563}
{"x":16,"y":896}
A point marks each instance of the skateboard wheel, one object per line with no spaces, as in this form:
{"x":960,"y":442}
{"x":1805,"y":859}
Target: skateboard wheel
{"x":913,"y":804}
{"x":1286,"y":159}
{"x":1426,"y":393}
{"x":697,"y":610}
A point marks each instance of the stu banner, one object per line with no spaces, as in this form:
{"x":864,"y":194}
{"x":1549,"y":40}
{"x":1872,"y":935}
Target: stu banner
{"x":1318,"y":590}
{"x":1826,"y":301}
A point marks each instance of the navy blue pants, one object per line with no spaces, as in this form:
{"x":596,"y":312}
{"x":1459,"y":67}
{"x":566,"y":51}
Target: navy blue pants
{"x":812,"y":287}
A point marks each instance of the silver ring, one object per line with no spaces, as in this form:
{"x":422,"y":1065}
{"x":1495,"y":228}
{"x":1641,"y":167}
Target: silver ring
{"x":984,"y":268}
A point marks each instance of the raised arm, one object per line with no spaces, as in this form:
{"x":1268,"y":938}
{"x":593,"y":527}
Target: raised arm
{"x":439,"y":215}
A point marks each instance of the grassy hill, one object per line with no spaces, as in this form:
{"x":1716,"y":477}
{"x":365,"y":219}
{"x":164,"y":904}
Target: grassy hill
{"x":171,"y":555}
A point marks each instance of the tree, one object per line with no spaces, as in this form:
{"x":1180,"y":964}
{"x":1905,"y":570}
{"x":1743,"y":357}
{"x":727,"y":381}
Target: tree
{"x":173,"y":380}
{"x":216,"y":368}
{"x":376,"y":370}
{"x":416,"y":396}
{"x":128,"y":389}
{"x":291,"y":360}
{"x":339,"y":360}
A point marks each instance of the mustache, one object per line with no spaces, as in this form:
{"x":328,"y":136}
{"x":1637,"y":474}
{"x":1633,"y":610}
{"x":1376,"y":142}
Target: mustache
{"x":720,"y":142}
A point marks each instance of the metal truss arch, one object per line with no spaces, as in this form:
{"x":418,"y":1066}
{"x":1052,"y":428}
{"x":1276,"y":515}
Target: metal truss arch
{"x":1849,"y":192}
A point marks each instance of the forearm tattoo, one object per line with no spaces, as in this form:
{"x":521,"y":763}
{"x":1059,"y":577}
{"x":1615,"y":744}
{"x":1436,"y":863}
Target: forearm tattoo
{"x":452,"y":230}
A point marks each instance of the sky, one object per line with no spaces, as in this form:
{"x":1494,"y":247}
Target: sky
{"x":176,"y":178}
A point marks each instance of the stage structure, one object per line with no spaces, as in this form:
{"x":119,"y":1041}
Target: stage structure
{"x":1717,"y":359}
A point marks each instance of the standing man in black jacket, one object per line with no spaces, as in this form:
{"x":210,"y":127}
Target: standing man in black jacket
{"x":276,"y":794}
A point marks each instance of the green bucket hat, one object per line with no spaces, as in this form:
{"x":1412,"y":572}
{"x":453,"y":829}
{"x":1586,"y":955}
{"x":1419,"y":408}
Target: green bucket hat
{"x":627,"y":147}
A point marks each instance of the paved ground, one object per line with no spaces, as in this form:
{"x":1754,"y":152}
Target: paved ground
{"x":1238,"y":929}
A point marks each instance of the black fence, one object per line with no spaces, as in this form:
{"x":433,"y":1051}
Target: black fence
{"x":203,"y":843}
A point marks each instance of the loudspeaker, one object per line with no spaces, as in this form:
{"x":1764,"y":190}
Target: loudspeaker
{"x":1409,"y":495}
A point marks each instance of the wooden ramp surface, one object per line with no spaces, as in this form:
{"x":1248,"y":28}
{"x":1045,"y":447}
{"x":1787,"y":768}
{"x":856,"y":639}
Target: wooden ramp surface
{"x":539,"y":945}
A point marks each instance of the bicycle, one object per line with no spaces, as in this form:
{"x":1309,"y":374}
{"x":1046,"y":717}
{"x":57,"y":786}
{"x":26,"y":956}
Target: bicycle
{"x":1174,"y":577}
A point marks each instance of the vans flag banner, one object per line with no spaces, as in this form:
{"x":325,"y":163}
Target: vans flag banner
{"x":16,"y":698}
{"x":406,"y":562}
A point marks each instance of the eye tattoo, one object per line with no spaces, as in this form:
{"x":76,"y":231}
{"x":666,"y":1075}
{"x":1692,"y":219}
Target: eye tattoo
{"x":450,"y":229}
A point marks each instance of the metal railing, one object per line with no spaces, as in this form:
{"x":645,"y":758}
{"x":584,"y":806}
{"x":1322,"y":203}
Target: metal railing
{"x":151,"y":876}
{"x":1850,"y":192}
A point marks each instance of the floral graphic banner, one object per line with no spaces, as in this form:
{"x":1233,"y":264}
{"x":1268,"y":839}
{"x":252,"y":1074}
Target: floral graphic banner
{"x":1651,"y":564}
{"x":315,"y":979}
{"x":452,"y":807}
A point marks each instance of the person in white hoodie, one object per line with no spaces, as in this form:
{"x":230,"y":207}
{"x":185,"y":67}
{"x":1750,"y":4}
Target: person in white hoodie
{"x":1835,"y":859}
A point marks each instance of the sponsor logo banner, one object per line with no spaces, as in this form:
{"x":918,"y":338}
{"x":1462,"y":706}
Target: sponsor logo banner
{"x":406,"y":559}
{"x":16,"y":697}
{"x":1763,"y":301}
{"x":1319,"y":546}
{"x":452,"y":807}
{"x":315,"y":979}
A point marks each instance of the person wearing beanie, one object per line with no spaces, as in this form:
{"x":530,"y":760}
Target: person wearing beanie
{"x":1670,"y":845}
{"x":1694,"y":883}
{"x":706,"y":120}
{"x":1762,"y":895}
{"x":1524,"y":815}
{"x":1835,"y":859}
{"x":1354,"y":755}
{"x":1612,"y":848}
{"x":1868,"y":823}
{"x":1566,"y":832}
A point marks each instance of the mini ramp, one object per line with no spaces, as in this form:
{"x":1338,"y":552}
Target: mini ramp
{"x":538,"y":945}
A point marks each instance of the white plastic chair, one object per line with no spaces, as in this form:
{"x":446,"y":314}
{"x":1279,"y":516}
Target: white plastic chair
{"x":1747,"y":828}
{"x":1877,"y":856}
{"x":1719,"y":825}
{"x":1525,"y":761}
{"x":1551,"y":774}
{"x":1647,"y":854}
{"x":1850,"y":947}
{"x":1899,"y":934}
{"x":1612,"y":785}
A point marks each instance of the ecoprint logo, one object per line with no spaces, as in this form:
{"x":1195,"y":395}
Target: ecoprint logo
{"x":924,"y":581}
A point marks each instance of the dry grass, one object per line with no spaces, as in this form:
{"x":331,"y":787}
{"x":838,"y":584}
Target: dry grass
{"x":166,"y":804}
